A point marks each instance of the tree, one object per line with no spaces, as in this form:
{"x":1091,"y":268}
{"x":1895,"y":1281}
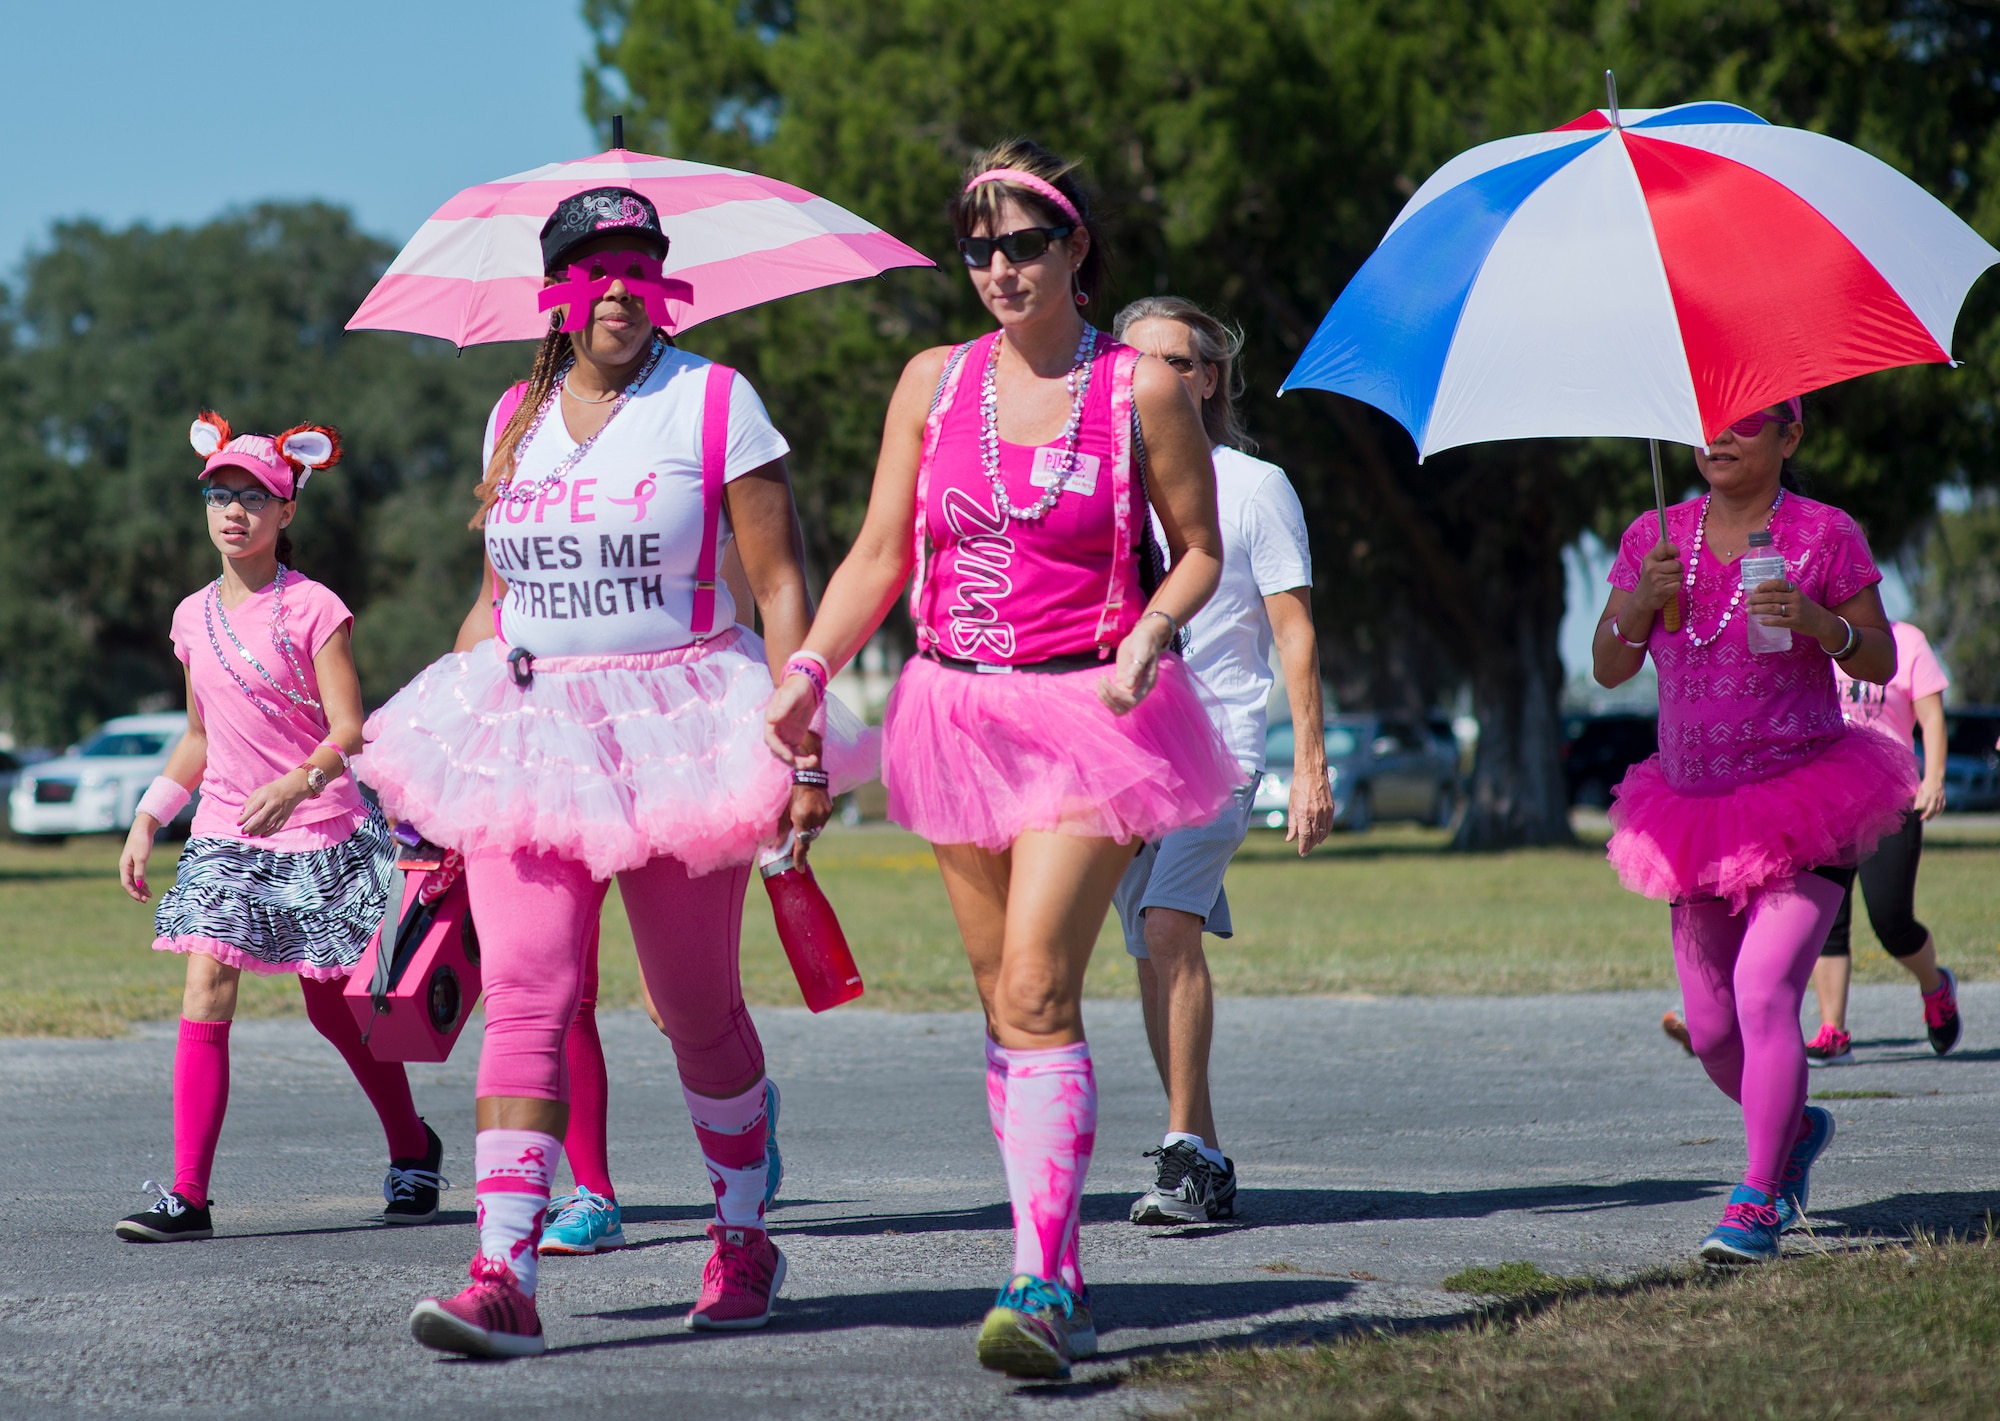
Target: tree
{"x":1250,"y":154}
{"x":1958,"y":598}
{"x":122,"y":337}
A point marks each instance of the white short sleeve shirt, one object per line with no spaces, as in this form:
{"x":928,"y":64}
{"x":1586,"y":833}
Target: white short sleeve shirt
{"x":602,"y":562}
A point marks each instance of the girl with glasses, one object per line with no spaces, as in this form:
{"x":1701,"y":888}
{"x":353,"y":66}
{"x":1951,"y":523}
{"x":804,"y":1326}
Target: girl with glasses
{"x":1761,"y":795}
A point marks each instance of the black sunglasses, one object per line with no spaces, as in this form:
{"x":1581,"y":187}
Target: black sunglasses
{"x":1022,"y":246}
{"x":252,"y":499}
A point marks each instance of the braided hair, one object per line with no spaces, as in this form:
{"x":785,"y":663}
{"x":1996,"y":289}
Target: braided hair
{"x":550,"y":355}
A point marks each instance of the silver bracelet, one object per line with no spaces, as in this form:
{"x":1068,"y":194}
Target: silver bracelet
{"x":1173,"y":627}
{"x":1853,"y":642}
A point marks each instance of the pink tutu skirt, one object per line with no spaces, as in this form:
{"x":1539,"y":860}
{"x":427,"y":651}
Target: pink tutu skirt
{"x":1829,"y":811}
{"x":972,"y":758}
{"x":608,"y":761}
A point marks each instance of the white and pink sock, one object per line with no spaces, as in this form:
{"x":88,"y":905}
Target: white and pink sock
{"x":1050,"y":1129}
{"x":732,"y":1134}
{"x":515,"y":1169}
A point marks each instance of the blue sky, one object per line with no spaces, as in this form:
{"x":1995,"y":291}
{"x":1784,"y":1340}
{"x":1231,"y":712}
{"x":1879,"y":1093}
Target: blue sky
{"x":173,"y":112}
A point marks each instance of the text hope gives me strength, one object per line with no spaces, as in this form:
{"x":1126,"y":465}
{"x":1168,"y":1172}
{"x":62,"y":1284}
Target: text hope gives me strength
{"x":561,"y":601}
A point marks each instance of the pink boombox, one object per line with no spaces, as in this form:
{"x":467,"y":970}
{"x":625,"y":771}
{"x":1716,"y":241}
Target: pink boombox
{"x":414,"y":987}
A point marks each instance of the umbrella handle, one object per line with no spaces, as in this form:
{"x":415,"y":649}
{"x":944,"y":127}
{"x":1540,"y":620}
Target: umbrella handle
{"x":1670,"y":615}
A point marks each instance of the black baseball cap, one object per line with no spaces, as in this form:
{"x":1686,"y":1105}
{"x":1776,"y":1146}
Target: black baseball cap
{"x":587,"y":215}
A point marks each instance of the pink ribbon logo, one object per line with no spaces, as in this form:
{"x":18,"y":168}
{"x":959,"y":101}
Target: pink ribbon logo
{"x":641,"y":496}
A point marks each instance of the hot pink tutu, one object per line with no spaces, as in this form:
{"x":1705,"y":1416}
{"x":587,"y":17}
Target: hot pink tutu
{"x":971,"y":758}
{"x":608,"y":761}
{"x":1828,"y":811}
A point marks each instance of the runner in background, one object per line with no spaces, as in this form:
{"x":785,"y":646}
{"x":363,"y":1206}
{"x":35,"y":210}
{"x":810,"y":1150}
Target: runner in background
{"x":1173,"y":891}
{"x":1914,"y":697}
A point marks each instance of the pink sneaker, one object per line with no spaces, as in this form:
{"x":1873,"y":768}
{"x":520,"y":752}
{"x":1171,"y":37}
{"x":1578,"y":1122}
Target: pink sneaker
{"x":1832,"y":1047}
{"x":742,"y":1277}
{"x":492,"y":1318}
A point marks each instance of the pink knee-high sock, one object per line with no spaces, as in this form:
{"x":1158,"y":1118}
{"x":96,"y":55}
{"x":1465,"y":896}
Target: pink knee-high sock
{"x":201,"y":1097}
{"x":733,"y":1134}
{"x":1069,"y":1268}
{"x":1051,"y":1131}
{"x":1784,"y":932}
{"x":385,"y":1083}
{"x":587,"y":1140}
{"x":515,"y":1168}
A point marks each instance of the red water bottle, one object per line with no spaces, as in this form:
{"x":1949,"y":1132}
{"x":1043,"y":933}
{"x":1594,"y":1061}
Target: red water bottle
{"x":810,"y":932}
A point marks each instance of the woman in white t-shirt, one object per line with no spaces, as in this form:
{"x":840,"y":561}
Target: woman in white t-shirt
{"x":613,"y":726}
{"x":1913,"y":698}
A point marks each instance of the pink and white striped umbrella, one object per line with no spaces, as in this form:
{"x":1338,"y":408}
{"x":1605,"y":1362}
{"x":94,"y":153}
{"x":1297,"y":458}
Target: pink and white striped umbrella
{"x":472,"y":272}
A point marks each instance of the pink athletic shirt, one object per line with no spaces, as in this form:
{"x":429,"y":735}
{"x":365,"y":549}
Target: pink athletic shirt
{"x":1728,"y":717}
{"x":1892,"y":709}
{"x":246,"y":747}
{"x":1012,"y":592}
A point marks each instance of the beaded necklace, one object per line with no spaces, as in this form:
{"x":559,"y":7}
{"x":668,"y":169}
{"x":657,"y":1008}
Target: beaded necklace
{"x":1694,"y":563}
{"x":528,"y":493}
{"x":1077,"y":383}
{"x":212,"y":611}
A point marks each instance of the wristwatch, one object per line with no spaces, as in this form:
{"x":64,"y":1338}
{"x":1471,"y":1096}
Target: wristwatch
{"x":315,"y":781}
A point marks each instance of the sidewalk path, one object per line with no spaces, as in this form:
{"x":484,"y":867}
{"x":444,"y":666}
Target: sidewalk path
{"x":1383,"y":1145}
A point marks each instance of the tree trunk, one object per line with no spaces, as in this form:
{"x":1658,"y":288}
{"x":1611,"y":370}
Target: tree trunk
{"x":1518,"y":794}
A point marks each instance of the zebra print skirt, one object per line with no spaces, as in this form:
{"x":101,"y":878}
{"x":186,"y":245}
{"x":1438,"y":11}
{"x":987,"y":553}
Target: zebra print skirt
{"x":312,"y":913}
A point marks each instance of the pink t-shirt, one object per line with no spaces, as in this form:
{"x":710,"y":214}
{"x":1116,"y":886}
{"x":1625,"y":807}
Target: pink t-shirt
{"x":1013,"y":592}
{"x":247,"y":746}
{"x":1892,"y":709}
{"x":1728,"y":717}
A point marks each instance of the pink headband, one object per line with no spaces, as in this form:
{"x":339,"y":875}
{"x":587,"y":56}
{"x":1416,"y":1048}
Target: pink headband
{"x":1033,"y":184}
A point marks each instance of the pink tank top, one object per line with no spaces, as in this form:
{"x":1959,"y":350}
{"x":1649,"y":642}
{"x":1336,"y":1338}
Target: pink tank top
{"x":1012,"y":592}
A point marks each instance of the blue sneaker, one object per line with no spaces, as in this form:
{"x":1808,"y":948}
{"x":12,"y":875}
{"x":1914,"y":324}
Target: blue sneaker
{"x":1748,"y":1232}
{"x":1027,"y":1332}
{"x":583,"y":1222}
{"x":1795,"y":1185}
{"x":774,"y":1162}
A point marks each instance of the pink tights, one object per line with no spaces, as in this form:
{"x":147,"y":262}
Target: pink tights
{"x":1742,"y":977}
{"x":586,"y":1143}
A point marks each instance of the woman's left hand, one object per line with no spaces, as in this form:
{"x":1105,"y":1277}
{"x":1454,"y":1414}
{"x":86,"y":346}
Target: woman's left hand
{"x":1138,"y":665}
{"x":270,"y":806}
{"x":805,"y":816}
{"x":1779,"y":603}
{"x":1930,"y":800}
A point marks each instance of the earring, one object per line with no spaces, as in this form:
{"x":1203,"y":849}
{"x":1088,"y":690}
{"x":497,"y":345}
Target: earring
{"x":1081,"y":299}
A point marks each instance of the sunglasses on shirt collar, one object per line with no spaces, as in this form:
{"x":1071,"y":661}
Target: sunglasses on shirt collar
{"x":1022,"y":246}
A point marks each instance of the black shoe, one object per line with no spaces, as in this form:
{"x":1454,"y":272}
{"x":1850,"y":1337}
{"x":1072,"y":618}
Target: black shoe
{"x":173,"y":1219}
{"x":410,"y":1189}
{"x":1188,"y":1189}
{"x":1941,"y":1013}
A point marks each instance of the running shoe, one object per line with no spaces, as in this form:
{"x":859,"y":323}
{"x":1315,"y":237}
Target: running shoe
{"x":1941,"y":1013}
{"x":1677,"y":1030}
{"x":1027,"y":1332}
{"x":174,"y":1218}
{"x":410,"y":1190}
{"x":1082,"y":1328}
{"x":492,"y":1318}
{"x":1748,"y":1232}
{"x":583,"y":1222}
{"x":740,"y":1282}
{"x":1832,"y":1047}
{"x":774,"y":1162}
{"x":1187,"y":1189}
{"x":1795,"y":1184}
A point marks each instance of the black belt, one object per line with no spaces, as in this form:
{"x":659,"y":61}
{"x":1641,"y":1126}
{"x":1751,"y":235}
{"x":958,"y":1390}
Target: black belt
{"x":1053,"y":666}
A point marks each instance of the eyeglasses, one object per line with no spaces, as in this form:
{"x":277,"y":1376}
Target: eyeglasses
{"x":1022,"y":246}
{"x":1752,"y":425}
{"x":252,"y":499}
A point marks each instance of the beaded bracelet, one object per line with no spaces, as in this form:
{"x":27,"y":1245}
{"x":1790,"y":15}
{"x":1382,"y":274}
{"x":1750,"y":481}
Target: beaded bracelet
{"x":817,"y":779}
{"x":813,"y":669}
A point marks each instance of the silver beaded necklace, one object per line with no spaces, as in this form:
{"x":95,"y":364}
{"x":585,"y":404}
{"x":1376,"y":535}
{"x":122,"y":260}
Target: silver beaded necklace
{"x":524,"y":493}
{"x":1694,"y":562}
{"x":1077,"y":383}
{"x":212,"y":612}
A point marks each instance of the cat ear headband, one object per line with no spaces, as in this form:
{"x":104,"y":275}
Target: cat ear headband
{"x":281,"y":464}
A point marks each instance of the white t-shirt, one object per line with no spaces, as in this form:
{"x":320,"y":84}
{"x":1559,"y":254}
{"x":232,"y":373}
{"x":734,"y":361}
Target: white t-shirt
{"x":1264,"y":552}
{"x":603,"y":563}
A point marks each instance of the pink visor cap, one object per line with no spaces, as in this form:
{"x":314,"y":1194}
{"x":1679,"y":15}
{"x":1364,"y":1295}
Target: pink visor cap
{"x":281,"y":463}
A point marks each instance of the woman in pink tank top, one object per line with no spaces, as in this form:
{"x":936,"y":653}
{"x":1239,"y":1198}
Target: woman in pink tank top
{"x":1760,"y":790}
{"x":1045,"y":726}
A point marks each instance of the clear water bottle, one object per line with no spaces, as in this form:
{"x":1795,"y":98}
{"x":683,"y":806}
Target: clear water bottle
{"x":1762,"y":563}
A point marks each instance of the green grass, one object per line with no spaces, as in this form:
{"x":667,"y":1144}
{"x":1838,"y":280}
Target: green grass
{"x":1515,"y":1281}
{"x":1387,"y":913}
{"x":1902,"y":1334}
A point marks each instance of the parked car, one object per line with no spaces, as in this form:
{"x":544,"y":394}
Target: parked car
{"x":1971,"y":764}
{"x":1597,"y":750}
{"x":1379,"y":767}
{"x":95,"y":787}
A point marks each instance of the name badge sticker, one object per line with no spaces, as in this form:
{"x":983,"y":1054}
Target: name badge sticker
{"x":1049,"y":465}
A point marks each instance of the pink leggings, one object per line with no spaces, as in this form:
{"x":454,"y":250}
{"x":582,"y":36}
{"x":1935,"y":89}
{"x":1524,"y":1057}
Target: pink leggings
{"x":1743,"y":976}
{"x":535,"y":914}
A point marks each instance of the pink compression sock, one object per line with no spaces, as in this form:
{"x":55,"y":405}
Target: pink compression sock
{"x":515,"y":1168}
{"x":1051,"y":1131}
{"x":586,"y":1142}
{"x":385,"y":1083}
{"x":201,"y":1097}
{"x":732,"y":1134}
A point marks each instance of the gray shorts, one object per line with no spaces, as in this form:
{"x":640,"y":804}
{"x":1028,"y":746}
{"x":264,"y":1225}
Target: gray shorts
{"x":1184,"y":872}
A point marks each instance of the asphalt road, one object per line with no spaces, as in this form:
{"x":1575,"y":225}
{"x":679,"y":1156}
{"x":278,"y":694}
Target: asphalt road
{"x":1382,"y":1145}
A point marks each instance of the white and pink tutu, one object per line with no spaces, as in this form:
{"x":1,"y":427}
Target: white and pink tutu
{"x":609,"y":761}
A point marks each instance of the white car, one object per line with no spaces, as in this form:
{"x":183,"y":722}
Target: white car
{"x":95,"y":787}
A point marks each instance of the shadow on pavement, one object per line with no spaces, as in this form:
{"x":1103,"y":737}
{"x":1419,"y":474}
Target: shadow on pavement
{"x":1959,"y":1211}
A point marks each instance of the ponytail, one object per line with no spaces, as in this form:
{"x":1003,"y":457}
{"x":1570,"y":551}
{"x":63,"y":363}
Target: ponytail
{"x":549,"y":358}
{"x":285,"y":548}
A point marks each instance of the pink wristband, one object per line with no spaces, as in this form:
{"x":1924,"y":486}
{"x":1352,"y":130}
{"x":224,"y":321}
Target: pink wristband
{"x":813,"y":670}
{"x":163,"y":799}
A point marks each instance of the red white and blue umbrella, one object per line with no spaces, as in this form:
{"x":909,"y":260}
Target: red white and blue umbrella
{"x":1657,"y":274}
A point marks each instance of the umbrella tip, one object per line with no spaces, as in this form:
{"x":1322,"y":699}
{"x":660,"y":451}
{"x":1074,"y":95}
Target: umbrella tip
{"x":618,"y":130}
{"x":1611,"y":96}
